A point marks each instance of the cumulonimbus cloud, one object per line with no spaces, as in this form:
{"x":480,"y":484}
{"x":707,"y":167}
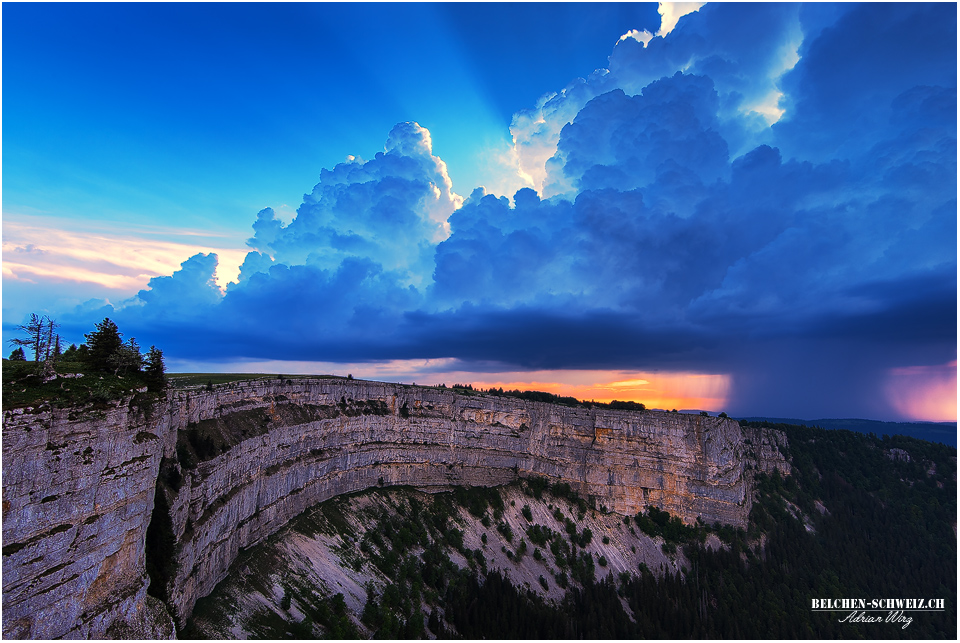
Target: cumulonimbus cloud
{"x":673,"y":224}
{"x":393,"y":207}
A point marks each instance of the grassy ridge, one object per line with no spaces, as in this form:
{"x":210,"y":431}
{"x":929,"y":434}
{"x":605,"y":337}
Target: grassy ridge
{"x":183,"y":380}
{"x":23,"y":386}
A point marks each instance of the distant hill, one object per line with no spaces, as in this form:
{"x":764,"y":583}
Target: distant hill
{"x":942,"y":432}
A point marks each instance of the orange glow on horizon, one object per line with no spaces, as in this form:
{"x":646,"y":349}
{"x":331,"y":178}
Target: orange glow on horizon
{"x":655,"y":390}
{"x":663,"y":390}
{"x":926,"y":393}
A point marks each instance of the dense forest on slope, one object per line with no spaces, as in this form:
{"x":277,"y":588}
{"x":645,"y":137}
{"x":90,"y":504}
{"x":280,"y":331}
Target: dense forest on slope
{"x":860,"y":517}
{"x":943,"y":432}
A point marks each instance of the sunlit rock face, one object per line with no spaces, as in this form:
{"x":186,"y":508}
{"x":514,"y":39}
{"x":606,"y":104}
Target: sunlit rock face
{"x":282,"y":446}
{"x":329,"y":437}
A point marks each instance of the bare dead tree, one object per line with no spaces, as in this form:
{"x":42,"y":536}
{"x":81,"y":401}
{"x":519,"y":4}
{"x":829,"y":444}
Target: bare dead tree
{"x":36,"y":330}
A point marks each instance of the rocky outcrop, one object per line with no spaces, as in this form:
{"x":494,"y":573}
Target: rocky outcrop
{"x":78,"y":488}
{"x":764,"y":449}
{"x":269,"y":449}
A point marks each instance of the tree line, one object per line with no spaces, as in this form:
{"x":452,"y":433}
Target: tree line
{"x":868,"y":525}
{"x":103,"y":352}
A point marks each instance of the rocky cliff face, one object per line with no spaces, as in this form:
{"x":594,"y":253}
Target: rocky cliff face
{"x":763,"y":449}
{"x":78,"y":488}
{"x":269,"y":449}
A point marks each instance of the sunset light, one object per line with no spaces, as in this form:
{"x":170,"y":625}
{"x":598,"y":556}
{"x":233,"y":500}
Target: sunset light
{"x":739,"y":207}
{"x":700,"y":391}
{"x":926,"y":393}
{"x":479,"y":320}
{"x":122,"y":259}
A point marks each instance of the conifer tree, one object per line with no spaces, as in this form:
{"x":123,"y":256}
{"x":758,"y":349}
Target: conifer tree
{"x":154,"y":370}
{"x":102,"y":345}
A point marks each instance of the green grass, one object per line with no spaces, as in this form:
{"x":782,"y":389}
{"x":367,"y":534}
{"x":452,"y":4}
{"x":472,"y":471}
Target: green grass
{"x":22,"y":387}
{"x":183,"y":380}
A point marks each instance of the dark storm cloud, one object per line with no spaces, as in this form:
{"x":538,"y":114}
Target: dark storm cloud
{"x":842,"y":95}
{"x":806,"y":258}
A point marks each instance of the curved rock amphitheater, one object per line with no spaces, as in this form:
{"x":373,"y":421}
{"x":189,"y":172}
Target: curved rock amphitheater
{"x":79,"y":484}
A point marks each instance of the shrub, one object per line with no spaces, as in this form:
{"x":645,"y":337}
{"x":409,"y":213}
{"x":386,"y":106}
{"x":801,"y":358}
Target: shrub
{"x":538,"y":535}
{"x":522,"y":549}
{"x":454,"y":538}
{"x":537,"y":485}
{"x":586,"y":536}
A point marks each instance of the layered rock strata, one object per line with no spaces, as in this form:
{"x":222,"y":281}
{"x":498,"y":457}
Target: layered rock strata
{"x":78,"y":487}
{"x":355,"y":435}
{"x":764,"y":447}
{"x":291,"y":445}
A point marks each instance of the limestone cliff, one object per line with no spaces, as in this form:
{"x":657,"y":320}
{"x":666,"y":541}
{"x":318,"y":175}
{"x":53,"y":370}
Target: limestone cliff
{"x":249,"y":456}
{"x":78,"y":488}
{"x":763,"y":449}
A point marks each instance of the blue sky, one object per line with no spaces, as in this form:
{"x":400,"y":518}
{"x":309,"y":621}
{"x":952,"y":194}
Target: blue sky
{"x":748,"y":208}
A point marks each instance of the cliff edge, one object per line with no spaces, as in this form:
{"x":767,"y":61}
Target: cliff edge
{"x":235,"y":463}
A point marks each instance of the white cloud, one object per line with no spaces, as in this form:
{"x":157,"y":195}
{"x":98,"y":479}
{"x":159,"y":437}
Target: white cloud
{"x":536,"y":131}
{"x":119,"y":259}
{"x":640,"y":36}
{"x":769,"y":108}
{"x":393,"y":208}
{"x":785,"y":60}
{"x":671,"y":12}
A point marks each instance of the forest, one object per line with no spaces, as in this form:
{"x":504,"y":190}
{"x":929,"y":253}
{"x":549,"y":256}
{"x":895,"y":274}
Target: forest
{"x":882,"y":515}
{"x":860,"y":516}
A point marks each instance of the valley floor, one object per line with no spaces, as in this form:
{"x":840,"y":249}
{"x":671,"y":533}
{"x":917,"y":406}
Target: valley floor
{"x":859,"y":517}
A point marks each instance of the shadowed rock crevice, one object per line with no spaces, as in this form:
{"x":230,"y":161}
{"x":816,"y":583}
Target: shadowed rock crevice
{"x":160,"y":549}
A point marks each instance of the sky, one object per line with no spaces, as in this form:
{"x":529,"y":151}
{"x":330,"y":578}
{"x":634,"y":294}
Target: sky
{"x":747,"y":208}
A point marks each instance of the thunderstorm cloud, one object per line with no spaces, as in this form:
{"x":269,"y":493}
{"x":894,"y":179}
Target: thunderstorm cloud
{"x":767,"y":190}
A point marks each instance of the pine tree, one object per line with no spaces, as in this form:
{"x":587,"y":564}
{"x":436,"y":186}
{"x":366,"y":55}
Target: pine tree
{"x":154,"y":370}
{"x":51,"y":341}
{"x":70,"y":354}
{"x":102,"y":345}
{"x":127,"y":358}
